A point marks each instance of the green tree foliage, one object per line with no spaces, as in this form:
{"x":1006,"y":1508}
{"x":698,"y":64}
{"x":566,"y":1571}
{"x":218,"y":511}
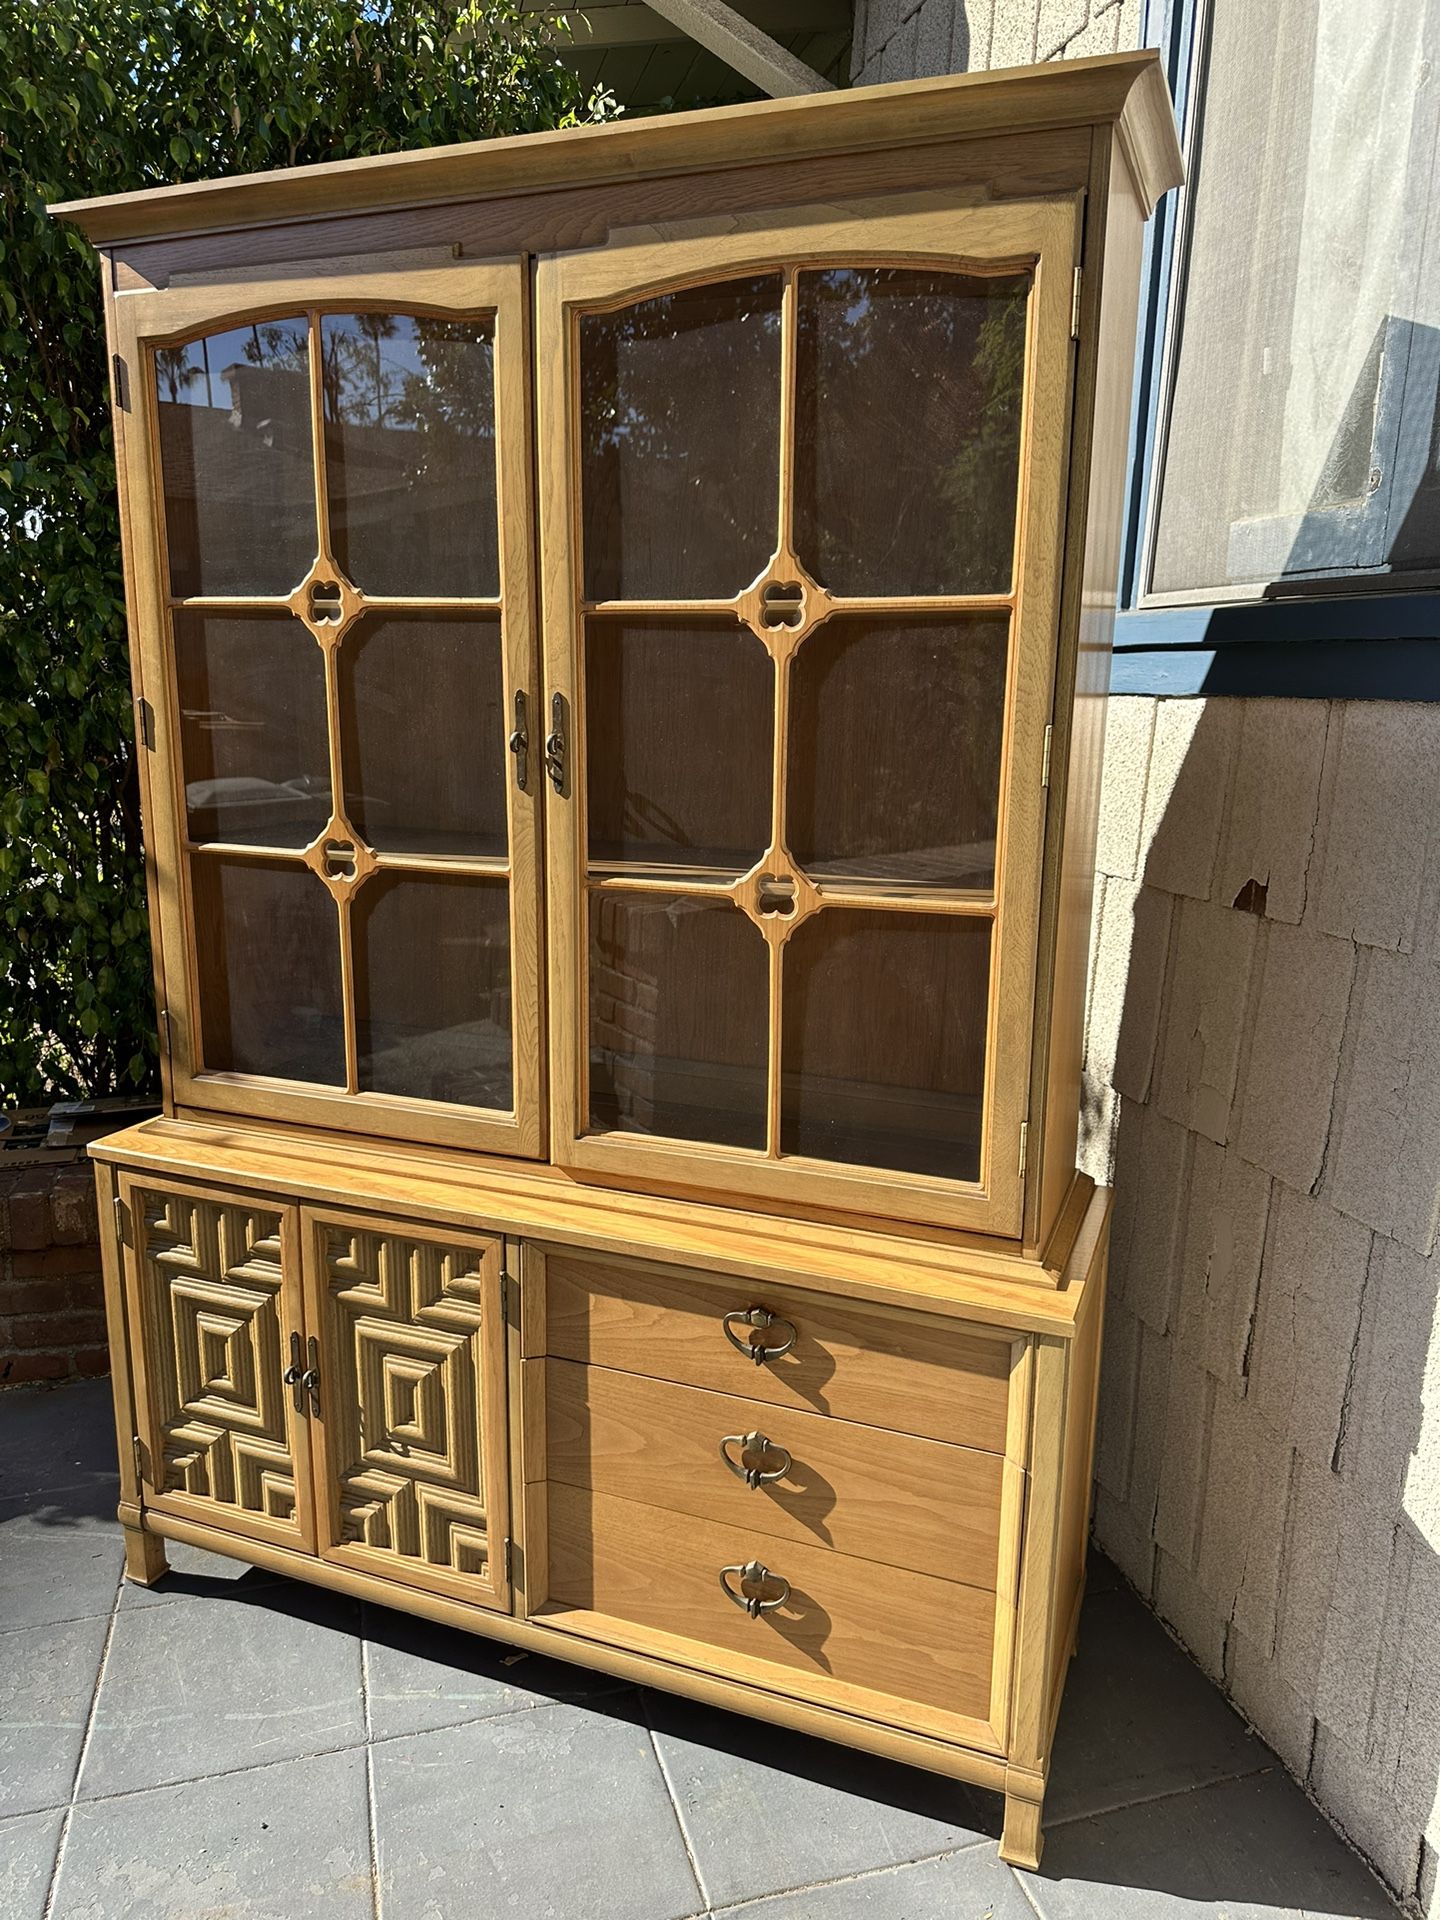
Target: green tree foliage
{"x":99,"y":96}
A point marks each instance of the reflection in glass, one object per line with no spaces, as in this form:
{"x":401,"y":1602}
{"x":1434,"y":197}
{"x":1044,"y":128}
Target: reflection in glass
{"x":680,"y":449}
{"x":678,"y":743}
{"x":253,"y":740}
{"x":432,"y":989}
{"x":894,"y":752}
{"x":907,"y":429}
{"x":236,"y":460}
{"x":423,"y":732}
{"x":268,"y":955}
{"x":883,"y":1042}
{"x":410,"y":452}
{"x":679,"y":997}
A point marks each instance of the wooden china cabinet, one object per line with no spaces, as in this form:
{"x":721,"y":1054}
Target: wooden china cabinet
{"x":620,"y":630}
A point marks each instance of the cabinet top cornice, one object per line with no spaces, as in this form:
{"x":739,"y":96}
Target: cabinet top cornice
{"x":1126,"y":90}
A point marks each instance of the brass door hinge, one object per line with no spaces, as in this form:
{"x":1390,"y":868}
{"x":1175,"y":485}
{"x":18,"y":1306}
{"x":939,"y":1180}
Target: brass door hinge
{"x":119,"y":384}
{"x":162,"y":1014}
{"x":137,"y":1449}
{"x":1075,"y":306}
{"x":1024,"y":1145}
{"x":1045,"y":757}
{"x":122,"y":1220}
{"x":509,"y":1561}
{"x":144,"y":723}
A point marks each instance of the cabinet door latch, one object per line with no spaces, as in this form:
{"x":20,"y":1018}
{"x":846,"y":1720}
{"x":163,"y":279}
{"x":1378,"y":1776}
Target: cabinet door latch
{"x":555,"y":743}
{"x":520,"y":744}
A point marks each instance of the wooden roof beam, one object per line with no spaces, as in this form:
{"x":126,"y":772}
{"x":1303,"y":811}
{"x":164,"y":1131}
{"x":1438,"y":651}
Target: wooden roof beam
{"x":741,"y":45}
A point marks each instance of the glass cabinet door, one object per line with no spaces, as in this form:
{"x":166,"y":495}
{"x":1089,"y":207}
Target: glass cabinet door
{"x":330,"y":489}
{"x":803,"y":491}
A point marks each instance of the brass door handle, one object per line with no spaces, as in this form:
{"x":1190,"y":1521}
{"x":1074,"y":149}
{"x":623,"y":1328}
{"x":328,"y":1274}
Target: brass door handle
{"x":753,"y":1574}
{"x":555,"y":743}
{"x":762,"y":1320}
{"x":294,"y":1374}
{"x":758,"y":1444}
{"x":519,"y":744}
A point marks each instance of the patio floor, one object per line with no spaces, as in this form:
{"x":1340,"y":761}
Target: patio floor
{"x":233,"y":1744}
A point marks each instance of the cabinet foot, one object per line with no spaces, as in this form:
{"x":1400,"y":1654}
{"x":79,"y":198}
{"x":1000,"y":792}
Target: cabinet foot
{"x":1021,"y":1840}
{"x":145,"y":1561}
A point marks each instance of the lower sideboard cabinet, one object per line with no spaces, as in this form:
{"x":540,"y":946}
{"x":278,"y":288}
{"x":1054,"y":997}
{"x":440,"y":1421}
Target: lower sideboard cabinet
{"x":859,"y":1514}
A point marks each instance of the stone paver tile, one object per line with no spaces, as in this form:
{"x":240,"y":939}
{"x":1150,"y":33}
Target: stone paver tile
{"x":208,"y":1686}
{"x":47,"y":1681}
{"x":765,"y":1809}
{"x":194,"y":1571}
{"x":57,"y":1561}
{"x":288,"y":1842}
{"x":1101,"y":1576}
{"x":1252,"y":1849}
{"x":57,"y":1437}
{"x":560,"y":1814}
{"x":422,"y":1676}
{"x":1139,"y":1718}
{"x":973,"y":1885}
{"x":27,"y":1855}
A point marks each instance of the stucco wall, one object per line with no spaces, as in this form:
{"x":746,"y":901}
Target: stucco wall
{"x":1264,"y":1085}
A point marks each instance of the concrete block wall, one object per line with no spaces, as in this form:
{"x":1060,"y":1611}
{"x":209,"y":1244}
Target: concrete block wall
{"x":1263,"y":1087}
{"x":1263,"y":1046}
{"x":906,"y":39}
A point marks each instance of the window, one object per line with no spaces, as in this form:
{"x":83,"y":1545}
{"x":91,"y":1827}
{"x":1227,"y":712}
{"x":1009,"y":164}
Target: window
{"x":1295,"y":442}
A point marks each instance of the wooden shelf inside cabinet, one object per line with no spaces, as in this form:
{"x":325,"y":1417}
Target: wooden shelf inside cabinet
{"x":620,"y":624}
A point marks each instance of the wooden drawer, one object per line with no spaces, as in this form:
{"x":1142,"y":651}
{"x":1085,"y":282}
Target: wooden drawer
{"x":847,"y":1624}
{"x":892,"y":1368}
{"x":862,"y":1491}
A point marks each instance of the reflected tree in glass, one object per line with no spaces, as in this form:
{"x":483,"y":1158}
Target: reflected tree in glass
{"x":409,"y":405}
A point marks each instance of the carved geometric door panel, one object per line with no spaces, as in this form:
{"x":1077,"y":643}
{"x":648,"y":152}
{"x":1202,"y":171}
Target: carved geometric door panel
{"x":214,"y":1290}
{"x":412,"y":1461}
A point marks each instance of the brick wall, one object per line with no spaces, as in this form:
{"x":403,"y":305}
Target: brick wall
{"x":52,"y":1310}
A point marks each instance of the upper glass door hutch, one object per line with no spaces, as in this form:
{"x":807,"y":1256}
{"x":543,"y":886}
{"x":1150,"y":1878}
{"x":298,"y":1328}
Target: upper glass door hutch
{"x":800,"y":484}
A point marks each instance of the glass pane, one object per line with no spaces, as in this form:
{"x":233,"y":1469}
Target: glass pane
{"x":236,"y":460}
{"x":1303,"y":422}
{"x":679,"y":1000}
{"x":410,"y":453}
{"x":907,"y":428}
{"x":253,"y":738}
{"x":269,"y":965}
{"x":883,"y":1043}
{"x":679,"y":722}
{"x":432,"y":989}
{"x":680,"y":448}
{"x":423,"y":730}
{"x":894,"y":754}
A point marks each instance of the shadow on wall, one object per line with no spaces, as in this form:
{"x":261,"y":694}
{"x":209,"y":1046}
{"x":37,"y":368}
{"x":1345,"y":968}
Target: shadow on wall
{"x":1264,"y":1080}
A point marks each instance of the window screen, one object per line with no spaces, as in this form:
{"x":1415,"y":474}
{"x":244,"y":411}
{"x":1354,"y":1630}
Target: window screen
{"x":1302,"y":418}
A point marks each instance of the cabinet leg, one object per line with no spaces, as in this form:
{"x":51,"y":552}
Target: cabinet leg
{"x":145,"y":1561}
{"x":1021,"y":1840}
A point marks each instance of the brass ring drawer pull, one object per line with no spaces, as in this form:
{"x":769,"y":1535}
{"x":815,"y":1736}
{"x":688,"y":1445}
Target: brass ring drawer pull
{"x":758,"y":1444}
{"x":762,"y":1320}
{"x":753,"y":1574}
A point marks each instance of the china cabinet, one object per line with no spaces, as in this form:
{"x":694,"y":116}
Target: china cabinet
{"x":620,"y":624}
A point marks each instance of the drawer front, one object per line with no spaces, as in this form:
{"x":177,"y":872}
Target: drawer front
{"x":845,"y":1624}
{"x":882,"y":1368}
{"x":862,"y":1491}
